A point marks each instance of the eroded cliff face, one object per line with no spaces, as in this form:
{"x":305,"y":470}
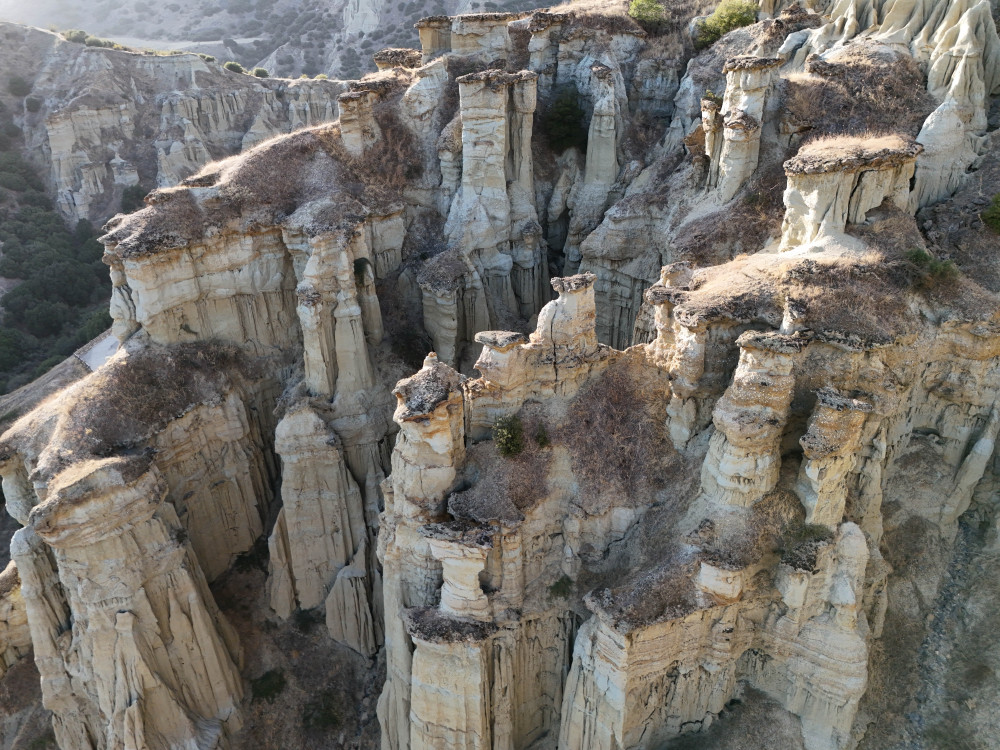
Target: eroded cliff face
{"x":704,"y":416}
{"x":107,"y":120}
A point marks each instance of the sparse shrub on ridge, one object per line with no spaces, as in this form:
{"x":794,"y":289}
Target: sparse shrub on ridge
{"x":648,"y":13}
{"x":931,"y":268}
{"x":731,"y":14}
{"x":234,"y":67}
{"x":261,"y":72}
{"x":268,"y":686}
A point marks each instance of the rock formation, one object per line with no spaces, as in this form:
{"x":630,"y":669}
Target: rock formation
{"x":701,"y":416}
{"x":109,"y":120}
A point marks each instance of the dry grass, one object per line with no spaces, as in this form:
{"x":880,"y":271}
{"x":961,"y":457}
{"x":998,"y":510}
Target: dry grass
{"x":864,"y":296}
{"x":505,"y":488}
{"x":864,"y":88}
{"x":614,"y":429}
{"x":744,"y":226}
{"x":119,"y":407}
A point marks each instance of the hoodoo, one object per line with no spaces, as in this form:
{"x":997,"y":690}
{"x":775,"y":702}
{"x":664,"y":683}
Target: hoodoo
{"x":529,"y":394}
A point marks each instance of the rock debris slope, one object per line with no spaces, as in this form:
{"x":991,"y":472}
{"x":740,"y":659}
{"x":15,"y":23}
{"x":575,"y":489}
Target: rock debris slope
{"x":705,"y":414}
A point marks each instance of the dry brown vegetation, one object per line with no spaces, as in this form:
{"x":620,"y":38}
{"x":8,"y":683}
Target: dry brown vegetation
{"x":121,"y":405}
{"x":614,"y":429}
{"x":506,"y":487}
{"x":864,"y":88}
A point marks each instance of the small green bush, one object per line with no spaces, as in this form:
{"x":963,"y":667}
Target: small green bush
{"x":931,"y":268}
{"x":18,"y":86}
{"x":32,"y":104}
{"x":260,"y":72}
{"x":320,"y":77}
{"x":562,"y":588}
{"x":731,"y":14}
{"x":991,"y":216}
{"x":648,"y":13}
{"x":132,"y":198}
{"x":321,"y":712}
{"x":542,"y":436}
{"x":712,"y":97}
{"x":96,"y":41}
{"x":234,"y":66}
{"x":75,"y":35}
{"x":508,"y":434}
{"x":268,"y":686}
{"x":206,"y":58}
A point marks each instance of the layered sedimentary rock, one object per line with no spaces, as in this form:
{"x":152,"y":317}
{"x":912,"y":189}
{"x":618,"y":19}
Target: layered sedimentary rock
{"x":108,"y":120}
{"x":758,"y":499}
{"x":748,"y":84}
{"x":837,"y":182}
{"x":152,"y":661}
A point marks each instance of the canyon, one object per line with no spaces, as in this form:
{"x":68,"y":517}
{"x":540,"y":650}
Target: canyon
{"x":559,"y":385}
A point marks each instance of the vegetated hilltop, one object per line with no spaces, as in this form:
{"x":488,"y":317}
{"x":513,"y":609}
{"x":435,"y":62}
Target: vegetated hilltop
{"x":594,"y":380}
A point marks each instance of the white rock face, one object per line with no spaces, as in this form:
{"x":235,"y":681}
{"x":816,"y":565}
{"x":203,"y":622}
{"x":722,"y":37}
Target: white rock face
{"x":152,"y":661}
{"x":836,"y":182}
{"x":748,"y":87}
{"x":110,"y":120}
{"x":15,"y":636}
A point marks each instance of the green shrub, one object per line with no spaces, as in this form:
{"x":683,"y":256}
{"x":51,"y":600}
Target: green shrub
{"x":991,"y":216}
{"x":75,"y":35}
{"x":132,"y":198}
{"x":562,"y":588}
{"x":321,"y":712}
{"x":318,"y":77}
{"x":305,"y":620}
{"x":268,"y":686}
{"x":96,"y":41}
{"x":234,"y":66}
{"x":648,"y":13}
{"x":32,"y":104}
{"x":542,"y":436}
{"x":712,"y":97}
{"x":206,"y":58}
{"x":508,"y":434}
{"x":564,"y":124}
{"x":260,"y":72}
{"x":18,"y":86}
{"x":931,"y":268}
{"x":729,"y":15}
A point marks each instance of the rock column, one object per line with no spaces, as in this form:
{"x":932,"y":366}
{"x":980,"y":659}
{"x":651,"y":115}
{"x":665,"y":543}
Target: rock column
{"x":744,"y":457}
{"x":748,"y":85}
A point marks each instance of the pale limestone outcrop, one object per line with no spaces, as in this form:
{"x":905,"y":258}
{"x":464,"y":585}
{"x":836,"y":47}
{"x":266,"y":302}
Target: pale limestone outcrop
{"x":836,"y":182}
{"x":492,"y":223}
{"x":15,"y":635}
{"x":110,"y":119}
{"x":482,"y":34}
{"x":830,"y":446}
{"x":743,"y":460}
{"x":152,"y":662}
{"x":435,"y":36}
{"x":358,"y":128}
{"x":321,"y":523}
{"x":749,"y":81}
{"x":957,"y":42}
{"x":499,"y":641}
